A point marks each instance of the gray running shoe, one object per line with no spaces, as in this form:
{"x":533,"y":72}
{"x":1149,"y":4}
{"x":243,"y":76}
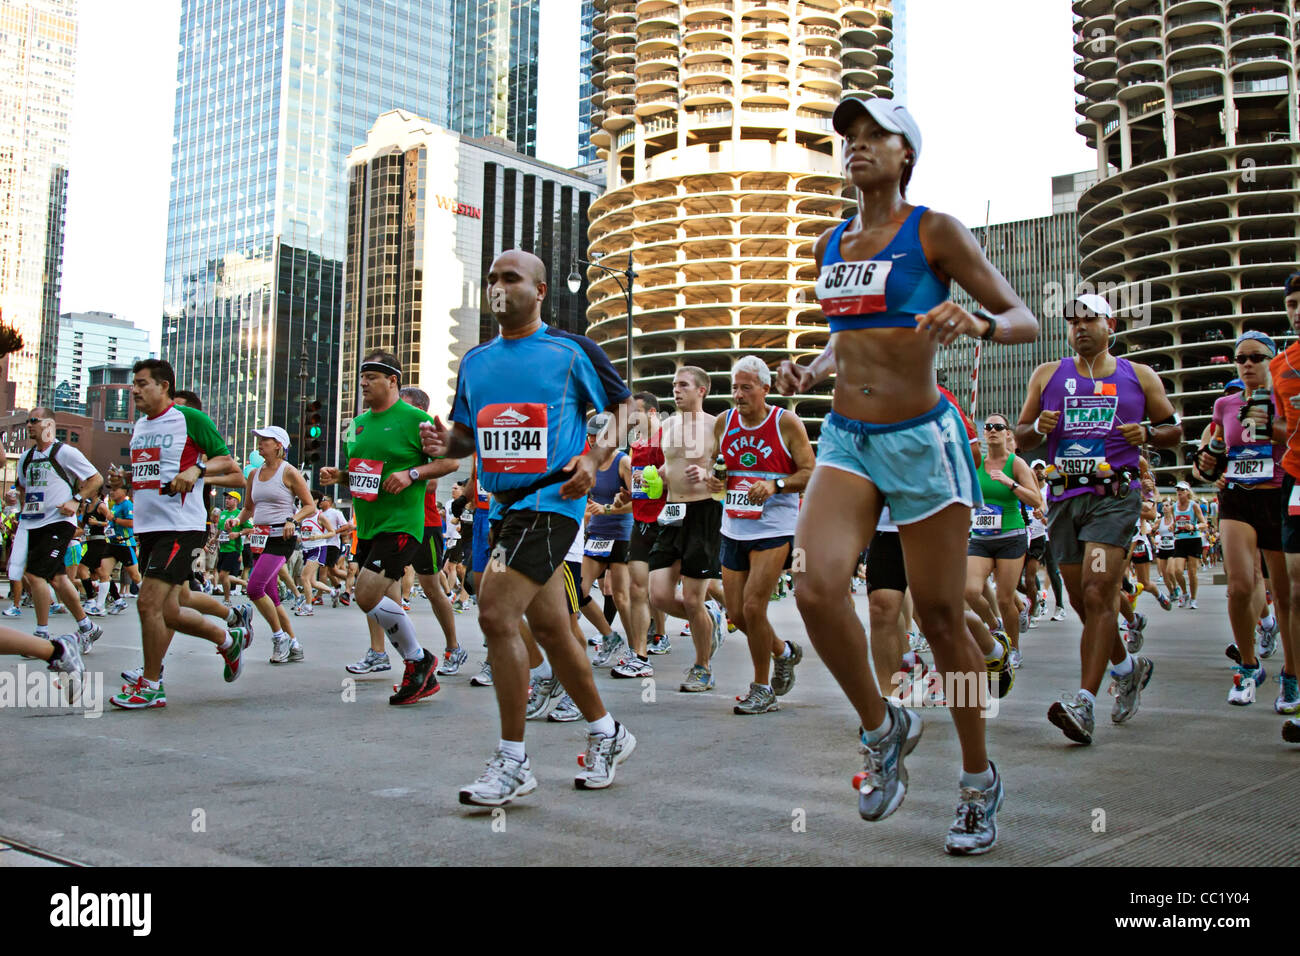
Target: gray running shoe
{"x":975,"y":828}
{"x":1128,"y":690}
{"x":1016,"y":659}
{"x":760,"y":700}
{"x":504,"y":779}
{"x":632,"y":666}
{"x":370,"y":663}
{"x":70,"y":663}
{"x":484,"y":677}
{"x":698,"y":680}
{"x":1135,"y":635}
{"x":1074,"y":716}
{"x":660,"y":646}
{"x":611,"y":649}
{"x":565,"y":711}
{"x":295,"y":652}
{"x":882,"y":783}
{"x":1267,"y":637}
{"x":719,"y":628}
{"x":452,"y":662}
{"x":280,"y":649}
{"x":1059,"y":614}
{"x":87,"y":638}
{"x":783,"y":670}
{"x":133,"y":676}
{"x":602,"y":758}
{"x":542,"y":697}
{"x":245,"y":612}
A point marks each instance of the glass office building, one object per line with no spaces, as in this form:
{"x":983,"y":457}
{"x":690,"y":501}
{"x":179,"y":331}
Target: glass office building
{"x":586,"y":88}
{"x":271,"y":96}
{"x":493,"y":72}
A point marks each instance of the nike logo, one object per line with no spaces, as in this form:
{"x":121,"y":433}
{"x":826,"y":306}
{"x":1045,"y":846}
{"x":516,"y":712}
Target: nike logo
{"x":897,"y":255}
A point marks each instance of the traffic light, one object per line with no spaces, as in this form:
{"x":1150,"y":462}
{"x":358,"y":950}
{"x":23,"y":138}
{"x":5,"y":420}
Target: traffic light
{"x":315,"y":432}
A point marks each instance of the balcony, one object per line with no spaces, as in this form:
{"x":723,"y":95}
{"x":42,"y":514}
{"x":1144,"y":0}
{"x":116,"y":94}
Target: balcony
{"x":1199,"y":16}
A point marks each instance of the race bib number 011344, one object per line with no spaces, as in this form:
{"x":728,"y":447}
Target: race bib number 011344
{"x":512,"y":438}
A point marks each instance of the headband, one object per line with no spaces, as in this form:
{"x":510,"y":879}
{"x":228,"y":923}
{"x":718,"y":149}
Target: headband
{"x":1259,"y":337}
{"x":381,"y":367}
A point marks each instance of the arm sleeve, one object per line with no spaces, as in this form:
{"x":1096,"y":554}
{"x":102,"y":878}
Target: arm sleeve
{"x":203,"y":432}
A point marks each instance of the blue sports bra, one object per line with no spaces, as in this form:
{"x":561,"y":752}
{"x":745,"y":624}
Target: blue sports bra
{"x":887,"y":291}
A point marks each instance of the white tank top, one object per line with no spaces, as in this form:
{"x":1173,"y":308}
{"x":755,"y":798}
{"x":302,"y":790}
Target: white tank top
{"x":272,"y":501}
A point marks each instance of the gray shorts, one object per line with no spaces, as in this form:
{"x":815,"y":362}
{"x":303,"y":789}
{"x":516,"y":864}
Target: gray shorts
{"x":1094,"y":519}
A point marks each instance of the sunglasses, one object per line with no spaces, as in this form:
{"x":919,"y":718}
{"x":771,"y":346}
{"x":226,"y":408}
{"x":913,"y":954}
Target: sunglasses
{"x":995,"y":427}
{"x":1243,"y":357}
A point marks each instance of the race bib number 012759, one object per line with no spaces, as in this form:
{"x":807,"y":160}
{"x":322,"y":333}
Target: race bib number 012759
{"x":364,"y":477}
{"x":512,"y":438}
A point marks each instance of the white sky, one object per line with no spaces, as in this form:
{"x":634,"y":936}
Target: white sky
{"x":990,"y":84}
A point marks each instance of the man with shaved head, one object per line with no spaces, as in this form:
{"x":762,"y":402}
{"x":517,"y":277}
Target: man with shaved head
{"x":520,"y":408}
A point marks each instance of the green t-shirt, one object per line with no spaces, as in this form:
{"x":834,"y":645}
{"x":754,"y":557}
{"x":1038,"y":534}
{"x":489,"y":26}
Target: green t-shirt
{"x":225,"y":542}
{"x":378,"y":444}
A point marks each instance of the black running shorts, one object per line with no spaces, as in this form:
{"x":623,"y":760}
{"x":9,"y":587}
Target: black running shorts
{"x":429,"y":558}
{"x":1261,"y":508}
{"x":1188,"y":548}
{"x":644,"y":535}
{"x":885,"y":568}
{"x":736,"y":551}
{"x":696,"y":542}
{"x":533,"y":543}
{"x":46,"y":548}
{"x":171,"y":556}
{"x":388,"y":553}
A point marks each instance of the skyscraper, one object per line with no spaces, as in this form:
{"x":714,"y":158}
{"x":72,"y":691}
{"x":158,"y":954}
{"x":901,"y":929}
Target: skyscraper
{"x":38,"y":54}
{"x":586,"y":89}
{"x":271,"y":97}
{"x":493,"y":71}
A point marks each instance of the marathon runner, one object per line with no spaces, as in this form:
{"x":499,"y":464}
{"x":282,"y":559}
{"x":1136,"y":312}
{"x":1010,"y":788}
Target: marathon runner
{"x":386,"y":471}
{"x":53,"y":479}
{"x":893,"y":440}
{"x":170,"y":526}
{"x":122,"y":550}
{"x":687,"y":548}
{"x":528,"y":433}
{"x":1188,"y":522}
{"x":1284,"y":372}
{"x":1091,"y":407}
{"x":608,"y":538}
{"x":769,"y":461}
{"x":96,"y":524}
{"x":646,"y":625}
{"x":335,"y":576}
{"x":230,"y":543}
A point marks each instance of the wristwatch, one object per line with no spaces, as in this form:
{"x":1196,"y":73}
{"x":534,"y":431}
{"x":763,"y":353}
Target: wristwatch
{"x":607,"y":508}
{"x":202,"y":466}
{"x":780,"y":484}
{"x":414,"y":474}
{"x":77,"y":498}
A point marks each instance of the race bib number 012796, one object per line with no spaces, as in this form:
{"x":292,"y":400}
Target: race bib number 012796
{"x":146,"y":468}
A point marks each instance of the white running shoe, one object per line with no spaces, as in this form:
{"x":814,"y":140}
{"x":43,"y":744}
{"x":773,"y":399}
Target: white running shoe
{"x":1059,"y":615}
{"x":602,"y":758}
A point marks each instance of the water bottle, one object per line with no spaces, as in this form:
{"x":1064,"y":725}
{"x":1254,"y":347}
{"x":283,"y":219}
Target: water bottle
{"x":1219,"y":451}
{"x":651,"y":482}
{"x":720,"y":473}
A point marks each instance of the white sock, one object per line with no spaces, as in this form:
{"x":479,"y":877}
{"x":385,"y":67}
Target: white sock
{"x":233,"y":618}
{"x":881,"y":732}
{"x":1088,"y":695}
{"x":102,"y":590}
{"x":996,"y":654}
{"x":1269,"y":622}
{"x":978,"y":781}
{"x":605,"y":726}
{"x":85,"y":624}
{"x":226,"y":644}
{"x":543,"y":670}
{"x":278,"y":636}
{"x":388,"y":614}
{"x":152,"y":684}
{"x":514,"y":749}
{"x":1124,"y":667}
{"x":43,"y":630}
{"x":784,"y":653}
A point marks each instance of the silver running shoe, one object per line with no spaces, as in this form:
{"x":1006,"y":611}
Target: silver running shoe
{"x":452,"y":661}
{"x":542,"y":697}
{"x":295,"y":652}
{"x":602,"y":758}
{"x":975,"y":829}
{"x":1135,"y":635}
{"x":1059,"y":614}
{"x":1267,"y":638}
{"x":372,"y":662}
{"x":70,"y":663}
{"x":280,"y":649}
{"x":565,"y":711}
{"x":504,"y":779}
{"x":611,"y":649}
{"x":916,"y":642}
{"x":719,"y":628}
{"x":484,"y":677}
{"x":783,"y":670}
{"x":882,"y":782}
{"x":88,"y":638}
{"x":661,"y":646}
{"x":698,"y":680}
{"x":1128,"y":690}
{"x":1074,"y":716}
{"x":759,"y":700}
{"x":93,"y":609}
{"x":632,"y":666}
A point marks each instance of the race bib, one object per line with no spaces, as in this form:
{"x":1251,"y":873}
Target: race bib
{"x":987,"y":519}
{"x":1166,"y":542}
{"x":512,"y":438}
{"x":1250,"y":464}
{"x":146,"y":468}
{"x":223,"y":537}
{"x":600,"y":547}
{"x":1182,"y":524}
{"x":257,"y":540}
{"x":1293,"y":503}
{"x":1088,"y":414}
{"x":364,"y":476}
{"x":1080,"y":457}
{"x":638,"y":484}
{"x":34,"y":505}
{"x":1140,"y":547}
{"x":738,"y":504}
{"x":853,"y":288}
{"x":673,"y":514}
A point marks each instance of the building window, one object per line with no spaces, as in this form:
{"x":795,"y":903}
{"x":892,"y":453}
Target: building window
{"x":76,"y":436}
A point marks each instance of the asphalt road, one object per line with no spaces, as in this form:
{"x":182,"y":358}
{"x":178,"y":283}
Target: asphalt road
{"x":283,"y":768}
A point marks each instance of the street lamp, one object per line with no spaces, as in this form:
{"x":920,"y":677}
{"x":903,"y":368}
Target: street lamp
{"x":575,"y":283}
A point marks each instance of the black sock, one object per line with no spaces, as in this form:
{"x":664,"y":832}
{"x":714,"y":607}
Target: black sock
{"x":57,"y":653}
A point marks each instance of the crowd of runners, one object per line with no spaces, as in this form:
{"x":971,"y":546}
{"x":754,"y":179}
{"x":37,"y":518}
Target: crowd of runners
{"x":575,"y":485}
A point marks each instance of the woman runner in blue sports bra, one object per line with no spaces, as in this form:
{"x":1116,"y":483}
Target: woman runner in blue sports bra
{"x":891,"y":440}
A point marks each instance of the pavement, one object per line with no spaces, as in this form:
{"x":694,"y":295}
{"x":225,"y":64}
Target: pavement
{"x":294,"y":765}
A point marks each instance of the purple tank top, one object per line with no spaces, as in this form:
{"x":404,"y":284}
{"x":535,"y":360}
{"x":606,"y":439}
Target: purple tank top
{"x":1092,"y":410}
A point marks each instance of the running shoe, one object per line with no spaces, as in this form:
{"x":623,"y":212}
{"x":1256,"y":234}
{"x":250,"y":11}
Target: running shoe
{"x":232,"y":656}
{"x":458,"y":606}
{"x":484,"y":677}
{"x":1288,"y":695}
{"x":783,"y":670}
{"x":88,"y":637}
{"x":602,"y":758}
{"x":659,"y":644}
{"x":295,"y":652}
{"x":245,"y":612}
{"x":611,"y":648}
{"x":698,"y":680}
{"x":1033,"y":623}
{"x":1002,"y":676}
{"x":70,"y":663}
{"x":759,"y":700}
{"x":345,"y":599}
{"x":916,"y":641}
{"x":1191,"y":606}
{"x":93,"y":609}
{"x":334,"y":599}
{"x":565,"y":711}
{"x":132,"y":676}
{"x":975,"y":829}
{"x":452,"y":661}
{"x":1024,"y":619}
{"x":1134,"y":634}
{"x":1059,"y":614}
{"x":685,"y":631}
{"x":882,"y":782}
{"x":1138,"y":588}
{"x":280,"y":649}
{"x":1128,"y":689}
{"x":140,"y":696}
{"x":1182,"y":599}
{"x":12,"y":612}
{"x":504,"y":779}
{"x":1267,"y":638}
{"x":1074,"y":716}
{"x":1291,"y":731}
{"x":1016,"y":659}
{"x":631,"y":667}
{"x":418,"y":681}
{"x":57,"y":608}
{"x":731,"y":627}
{"x":372,"y":662}
{"x":543,"y":695}
{"x":719,"y":629}
{"x":304,"y":610}
{"x":1245,"y":681}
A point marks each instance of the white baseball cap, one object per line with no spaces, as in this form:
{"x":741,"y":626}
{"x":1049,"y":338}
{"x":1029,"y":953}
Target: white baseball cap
{"x":276,"y":432}
{"x":890,"y":114}
{"x":1184,"y":486}
{"x":1095,"y":303}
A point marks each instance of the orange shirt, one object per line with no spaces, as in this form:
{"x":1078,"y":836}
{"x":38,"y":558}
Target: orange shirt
{"x":1284,"y":370}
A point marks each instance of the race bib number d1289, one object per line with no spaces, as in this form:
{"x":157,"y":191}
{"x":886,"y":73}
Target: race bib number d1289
{"x":364,"y":476}
{"x":512,"y":438}
{"x":146,"y":468}
{"x":257,"y":540}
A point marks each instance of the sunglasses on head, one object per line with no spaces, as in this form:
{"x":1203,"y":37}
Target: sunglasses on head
{"x":995,"y":427}
{"x":1243,"y":357}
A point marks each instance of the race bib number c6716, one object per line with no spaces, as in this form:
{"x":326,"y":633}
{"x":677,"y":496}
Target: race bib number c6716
{"x":364,"y":477}
{"x":146,"y":468}
{"x":512,"y":438}
{"x":853,"y":288}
